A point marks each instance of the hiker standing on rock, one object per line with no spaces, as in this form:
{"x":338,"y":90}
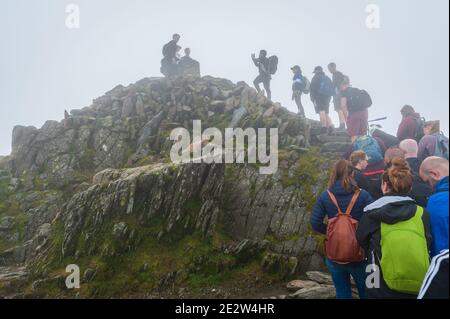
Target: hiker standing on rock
{"x":338,"y":78}
{"x":344,"y":256}
{"x":170,"y":60}
{"x":300,"y":85}
{"x":321,"y":91}
{"x":264,"y":77}
{"x":354,"y":105}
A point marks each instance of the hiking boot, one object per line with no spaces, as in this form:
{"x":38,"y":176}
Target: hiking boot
{"x":342,"y":126}
{"x":324,"y":130}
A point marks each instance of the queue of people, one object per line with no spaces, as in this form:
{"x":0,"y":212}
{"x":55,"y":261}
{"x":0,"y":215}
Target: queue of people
{"x":398,"y":232}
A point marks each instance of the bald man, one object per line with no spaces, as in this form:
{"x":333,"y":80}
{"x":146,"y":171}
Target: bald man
{"x":410,"y":148}
{"x":434,"y":170}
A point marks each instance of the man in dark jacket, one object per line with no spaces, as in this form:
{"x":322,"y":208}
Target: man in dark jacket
{"x":360,"y":162}
{"x":170,"y":60}
{"x":338,"y":78}
{"x":264,"y":77}
{"x":321,"y":99}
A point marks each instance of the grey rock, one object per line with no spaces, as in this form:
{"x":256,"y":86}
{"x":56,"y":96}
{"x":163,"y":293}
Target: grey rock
{"x":296,"y":285}
{"x":319,"y":277}
{"x":319,"y":292}
{"x":238,"y":114}
{"x":7,"y":222}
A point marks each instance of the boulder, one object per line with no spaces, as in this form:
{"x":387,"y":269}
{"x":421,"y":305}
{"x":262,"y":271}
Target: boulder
{"x":319,"y":277}
{"x":296,"y":285}
{"x":318,"y":292}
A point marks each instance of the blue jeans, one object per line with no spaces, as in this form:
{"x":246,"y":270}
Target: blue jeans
{"x":341,"y":278}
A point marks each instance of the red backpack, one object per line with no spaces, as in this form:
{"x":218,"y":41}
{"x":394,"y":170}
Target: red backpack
{"x":341,"y":245}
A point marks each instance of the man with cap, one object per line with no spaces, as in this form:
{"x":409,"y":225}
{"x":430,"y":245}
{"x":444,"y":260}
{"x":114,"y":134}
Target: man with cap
{"x":321,"y":91}
{"x":299,"y":86}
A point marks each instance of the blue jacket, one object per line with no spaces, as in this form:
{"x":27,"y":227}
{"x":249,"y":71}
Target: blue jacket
{"x":438,"y":209}
{"x":325,"y":207}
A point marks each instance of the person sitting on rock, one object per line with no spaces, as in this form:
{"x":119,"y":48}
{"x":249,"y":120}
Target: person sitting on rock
{"x":170,"y":60}
{"x":264,"y":77}
{"x":187,"y":65}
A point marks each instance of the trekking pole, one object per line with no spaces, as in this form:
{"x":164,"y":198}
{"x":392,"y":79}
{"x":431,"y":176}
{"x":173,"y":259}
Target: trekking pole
{"x":375,"y":120}
{"x":379,"y":119}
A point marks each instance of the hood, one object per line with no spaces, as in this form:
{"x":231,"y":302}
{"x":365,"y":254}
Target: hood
{"x":442,"y":184}
{"x":338,"y":190}
{"x":392,"y":209}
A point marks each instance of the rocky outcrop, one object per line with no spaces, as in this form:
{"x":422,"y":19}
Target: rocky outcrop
{"x":98,"y":188}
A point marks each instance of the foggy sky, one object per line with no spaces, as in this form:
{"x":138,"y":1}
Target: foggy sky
{"x":46,"y":67}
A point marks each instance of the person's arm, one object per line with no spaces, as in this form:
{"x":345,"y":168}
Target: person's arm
{"x":427,"y":228}
{"x":344,"y":107}
{"x":255,"y":60}
{"x":318,"y":216}
{"x":402,"y":130}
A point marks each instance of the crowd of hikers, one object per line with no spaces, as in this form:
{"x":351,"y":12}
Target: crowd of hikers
{"x":385,"y":213}
{"x":387,"y":216}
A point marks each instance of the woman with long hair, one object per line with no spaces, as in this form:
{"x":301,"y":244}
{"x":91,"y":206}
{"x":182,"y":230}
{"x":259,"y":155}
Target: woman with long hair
{"x":343,"y":204}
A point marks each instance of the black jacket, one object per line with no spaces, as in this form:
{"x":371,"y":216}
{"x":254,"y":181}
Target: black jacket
{"x":414,"y":164}
{"x":420,"y":190}
{"x":170,"y":50}
{"x":314,"y":87}
{"x":361,"y":180}
{"x":435,"y":285}
{"x":389,"y":210}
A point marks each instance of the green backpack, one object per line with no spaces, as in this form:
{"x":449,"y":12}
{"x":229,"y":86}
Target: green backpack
{"x":405,"y":260}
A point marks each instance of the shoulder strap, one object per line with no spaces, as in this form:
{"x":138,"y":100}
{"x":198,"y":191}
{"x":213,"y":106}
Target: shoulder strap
{"x":333,"y":199}
{"x":352,"y":202}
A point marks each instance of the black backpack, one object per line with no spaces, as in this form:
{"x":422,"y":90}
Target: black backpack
{"x":273,"y":64}
{"x":358,"y":100}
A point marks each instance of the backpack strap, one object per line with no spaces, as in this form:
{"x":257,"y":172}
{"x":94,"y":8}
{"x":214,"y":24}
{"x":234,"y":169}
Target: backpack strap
{"x":352,"y":202}
{"x":333,"y":199}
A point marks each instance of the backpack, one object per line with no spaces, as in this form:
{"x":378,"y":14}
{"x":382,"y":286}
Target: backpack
{"x":273,"y":64}
{"x":341,"y":245}
{"x":404,"y":254}
{"x":420,"y":123}
{"x":442,"y":147}
{"x":326,"y":86}
{"x":307,"y":85}
{"x":358,"y":100}
{"x":370,"y":146}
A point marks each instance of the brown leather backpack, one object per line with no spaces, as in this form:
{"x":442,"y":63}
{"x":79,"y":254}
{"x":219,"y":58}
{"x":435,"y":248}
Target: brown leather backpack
{"x":341,"y":245}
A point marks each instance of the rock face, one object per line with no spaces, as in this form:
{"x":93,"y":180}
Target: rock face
{"x":99,"y":187}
